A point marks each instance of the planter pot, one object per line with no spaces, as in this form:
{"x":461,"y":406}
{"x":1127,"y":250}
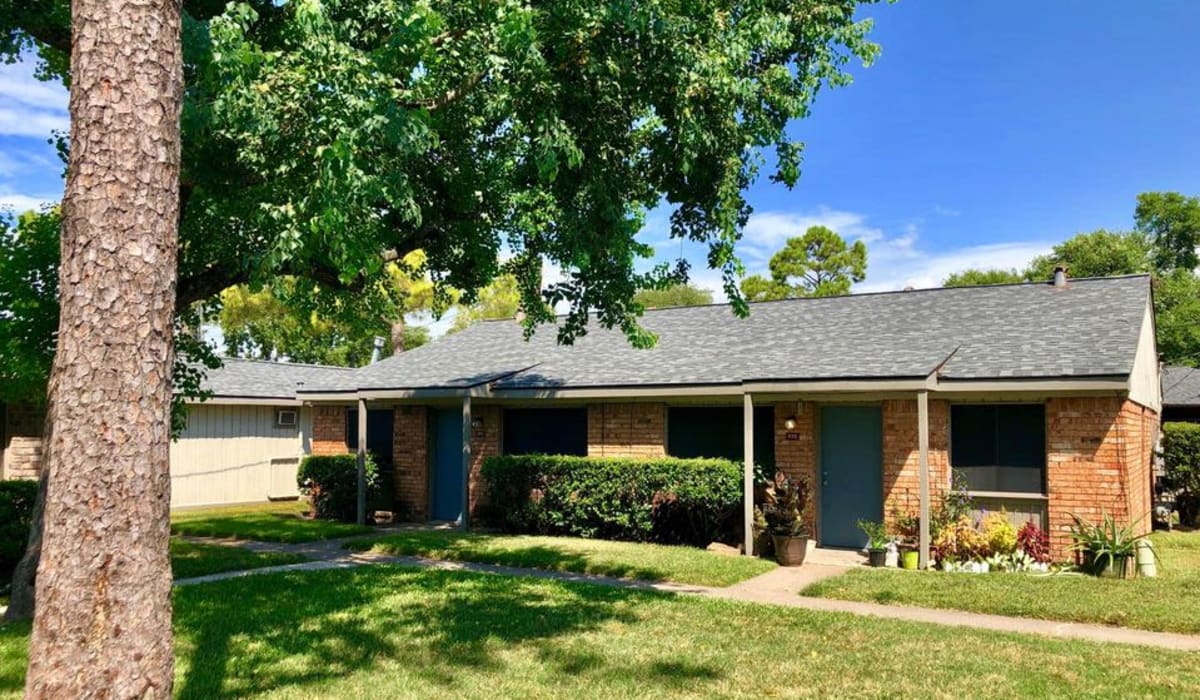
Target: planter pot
{"x":910,"y":559}
{"x":790,"y":551}
{"x":1116,"y":567}
{"x":877,"y":557}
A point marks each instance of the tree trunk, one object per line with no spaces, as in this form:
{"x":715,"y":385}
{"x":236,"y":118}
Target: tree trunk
{"x":102,"y":627}
{"x":398,"y":336}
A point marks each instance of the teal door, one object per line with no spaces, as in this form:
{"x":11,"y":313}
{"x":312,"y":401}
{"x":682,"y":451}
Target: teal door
{"x":851,"y":472}
{"x":447,"y":490}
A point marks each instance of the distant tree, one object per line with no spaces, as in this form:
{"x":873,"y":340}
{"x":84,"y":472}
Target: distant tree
{"x":500,"y":299}
{"x":1097,"y":254}
{"x":1171,"y":221}
{"x":1177,"y":317}
{"x":28,"y":303}
{"x":676,"y":295}
{"x":818,"y":264}
{"x":976,"y":278}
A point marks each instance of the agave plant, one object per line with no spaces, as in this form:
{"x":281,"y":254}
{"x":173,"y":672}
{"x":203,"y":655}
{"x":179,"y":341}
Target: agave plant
{"x":1105,"y":542}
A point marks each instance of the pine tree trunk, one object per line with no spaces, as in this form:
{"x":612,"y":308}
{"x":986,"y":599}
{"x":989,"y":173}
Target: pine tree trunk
{"x":102,"y":627}
{"x":398,"y":336}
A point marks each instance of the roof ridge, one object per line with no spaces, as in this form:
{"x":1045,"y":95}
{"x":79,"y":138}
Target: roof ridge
{"x":250,"y":360}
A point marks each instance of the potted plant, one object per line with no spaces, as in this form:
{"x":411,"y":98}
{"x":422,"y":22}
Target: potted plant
{"x":909,"y":527}
{"x":878,"y":540}
{"x":785,"y":503}
{"x":1107,"y":548}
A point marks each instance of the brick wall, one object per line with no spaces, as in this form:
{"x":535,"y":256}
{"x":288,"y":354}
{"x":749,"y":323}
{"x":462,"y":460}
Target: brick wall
{"x":329,"y":430}
{"x":902,"y":457}
{"x":1097,"y":462}
{"x":797,"y":457}
{"x":21,"y":451}
{"x":628,"y":430}
{"x":485,"y":442}
{"x":410,"y":461}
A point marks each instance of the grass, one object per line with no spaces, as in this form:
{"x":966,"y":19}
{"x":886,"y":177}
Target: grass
{"x":285,"y":521}
{"x":1168,"y":603}
{"x":397,"y":632}
{"x":648,"y":562}
{"x":190,"y":559}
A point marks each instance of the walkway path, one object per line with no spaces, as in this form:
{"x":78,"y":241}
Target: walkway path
{"x":777,"y":587}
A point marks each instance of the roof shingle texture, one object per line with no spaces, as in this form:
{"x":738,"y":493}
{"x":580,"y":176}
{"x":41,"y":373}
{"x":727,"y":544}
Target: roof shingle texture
{"x":1181,"y":386}
{"x":1089,"y":328}
{"x":259,"y":379}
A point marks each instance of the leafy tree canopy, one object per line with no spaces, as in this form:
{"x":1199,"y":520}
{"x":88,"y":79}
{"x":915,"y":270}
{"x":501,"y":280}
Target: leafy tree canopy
{"x":976,"y":278}
{"x":1172,"y":221}
{"x":499,"y":300}
{"x":818,"y":264}
{"x":323,"y":140}
{"x":676,"y":295}
{"x":1100,"y":253}
{"x":28,"y":303}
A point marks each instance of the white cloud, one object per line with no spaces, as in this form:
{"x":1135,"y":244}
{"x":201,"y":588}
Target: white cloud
{"x":766,"y":232}
{"x":18,"y":202}
{"x":921,"y":269}
{"x":28,"y":106}
{"x":945,"y":211}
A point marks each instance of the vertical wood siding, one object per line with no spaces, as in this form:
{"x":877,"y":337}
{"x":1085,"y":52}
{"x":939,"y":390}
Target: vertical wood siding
{"x":236,"y":454}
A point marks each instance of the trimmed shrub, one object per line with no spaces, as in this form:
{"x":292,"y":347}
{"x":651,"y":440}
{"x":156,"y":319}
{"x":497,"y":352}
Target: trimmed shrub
{"x":1181,"y":453}
{"x":664,"y":500}
{"x":999,"y":534}
{"x":331,"y":482}
{"x":16,"y":514}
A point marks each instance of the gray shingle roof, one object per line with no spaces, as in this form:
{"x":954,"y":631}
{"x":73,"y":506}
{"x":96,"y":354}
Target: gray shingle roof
{"x":1181,"y":386}
{"x":1089,"y":328}
{"x":259,"y":379}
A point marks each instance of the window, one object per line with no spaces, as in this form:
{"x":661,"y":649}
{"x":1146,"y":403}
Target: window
{"x":285,"y":418}
{"x":718,"y":432}
{"x":548,"y":431}
{"x":1000,"y":448}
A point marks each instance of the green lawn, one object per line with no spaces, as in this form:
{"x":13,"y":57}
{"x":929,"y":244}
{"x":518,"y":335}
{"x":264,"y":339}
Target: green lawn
{"x":393,"y":632}
{"x":284,"y":521}
{"x":648,"y":562}
{"x":1169,"y":603}
{"x":190,"y":559}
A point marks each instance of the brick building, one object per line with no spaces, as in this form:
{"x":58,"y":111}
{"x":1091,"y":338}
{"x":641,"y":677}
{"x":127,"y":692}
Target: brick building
{"x":1043,"y":399}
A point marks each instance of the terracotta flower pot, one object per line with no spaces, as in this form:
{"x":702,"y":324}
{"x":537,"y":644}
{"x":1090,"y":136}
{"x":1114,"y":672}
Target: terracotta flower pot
{"x":790,"y":551}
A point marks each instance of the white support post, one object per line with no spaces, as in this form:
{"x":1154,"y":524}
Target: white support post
{"x":748,"y":474}
{"x":362,"y":463}
{"x":466,"y":463}
{"x":923,"y":450}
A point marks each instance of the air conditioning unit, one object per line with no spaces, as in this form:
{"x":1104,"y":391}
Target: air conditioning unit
{"x":285,"y":418}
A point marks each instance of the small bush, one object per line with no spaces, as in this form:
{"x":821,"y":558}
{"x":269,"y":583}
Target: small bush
{"x":665,"y":500}
{"x":331,"y":482}
{"x":960,"y":541}
{"x":1181,"y":453}
{"x":16,"y":514}
{"x":999,"y":535}
{"x":1035,"y":542}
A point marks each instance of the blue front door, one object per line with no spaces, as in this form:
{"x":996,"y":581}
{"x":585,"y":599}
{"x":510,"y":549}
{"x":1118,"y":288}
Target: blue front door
{"x":447,"y":465}
{"x":851,"y":472}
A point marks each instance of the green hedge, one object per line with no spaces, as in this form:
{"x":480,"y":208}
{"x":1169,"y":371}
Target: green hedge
{"x":16,"y":514}
{"x":331,"y":481}
{"x":667,"y":500}
{"x":1181,"y":454}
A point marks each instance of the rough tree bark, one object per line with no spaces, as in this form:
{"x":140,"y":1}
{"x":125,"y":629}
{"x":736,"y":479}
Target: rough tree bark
{"x":102,"y":627}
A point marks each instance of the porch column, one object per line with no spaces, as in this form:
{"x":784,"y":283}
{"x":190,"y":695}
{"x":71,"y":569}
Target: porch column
{"x":748,"y":474}
{"x":361,"y":518}
{"x":923,"y":448}
{"x":466,"y":462}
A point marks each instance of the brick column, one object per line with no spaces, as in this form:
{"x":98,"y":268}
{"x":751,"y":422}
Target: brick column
{"x":410,"y":460}
{"x":795,"y":450}
{"x":901,"y":456}
{"x":485,"y":442}
{"x":329,"y":430}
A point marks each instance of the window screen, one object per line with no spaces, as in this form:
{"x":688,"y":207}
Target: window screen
{"x":549,"y":431}
{"x":999,"y":447}
{"x":717,"y":432}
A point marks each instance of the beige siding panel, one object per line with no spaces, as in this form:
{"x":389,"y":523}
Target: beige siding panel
{"x":235,"y":454}
{"x":1145,"y":385}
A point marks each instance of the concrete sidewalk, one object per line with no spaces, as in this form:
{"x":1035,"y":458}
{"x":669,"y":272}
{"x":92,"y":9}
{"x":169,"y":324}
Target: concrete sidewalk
{"x":780,"y":586}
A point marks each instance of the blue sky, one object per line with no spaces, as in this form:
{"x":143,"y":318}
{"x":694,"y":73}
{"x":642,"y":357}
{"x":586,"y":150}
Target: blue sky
{"x":985,"y":132}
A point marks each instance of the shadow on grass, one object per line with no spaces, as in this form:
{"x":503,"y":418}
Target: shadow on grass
{"x":475,"y":548}
{"x":241,"y":636}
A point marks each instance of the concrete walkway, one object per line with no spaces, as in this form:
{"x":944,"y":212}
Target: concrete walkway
{"x":779,"y":586}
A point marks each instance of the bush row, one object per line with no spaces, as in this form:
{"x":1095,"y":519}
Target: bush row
{"x":664,"y":500}
{"x":1181,"y":454}
{"x":16,"y":514}
{"x":331,"y":481}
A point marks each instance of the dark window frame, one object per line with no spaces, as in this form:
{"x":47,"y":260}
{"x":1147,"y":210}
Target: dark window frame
{"x":957,"y":467}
